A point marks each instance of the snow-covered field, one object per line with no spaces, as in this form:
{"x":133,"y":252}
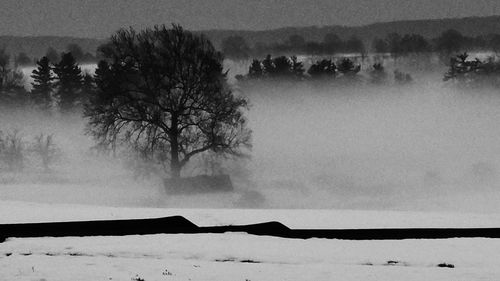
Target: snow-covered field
{"x":238,"y":256}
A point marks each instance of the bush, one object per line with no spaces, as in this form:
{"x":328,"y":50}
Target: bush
{"x":12,"y":151}
{"x":402,"y":78}
{"x":46,"y":150}
{"x":448,"y":265}
{"x":472,"y":73}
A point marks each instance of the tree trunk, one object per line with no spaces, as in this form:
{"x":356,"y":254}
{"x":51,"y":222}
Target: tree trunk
{"x":175,"y":165}
{"x":175,"y":169}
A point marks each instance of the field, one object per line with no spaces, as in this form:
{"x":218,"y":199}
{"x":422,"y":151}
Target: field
{"x":324,"y":156}
{"x":238,"y":256}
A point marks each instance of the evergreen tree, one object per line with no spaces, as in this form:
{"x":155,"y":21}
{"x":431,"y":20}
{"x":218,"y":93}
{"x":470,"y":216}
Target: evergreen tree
{"x":348,"y":68}
{"x":268,"y":66}
{"x":255,"y":70}
{"x":282,"y":67}
{"x":69,"y":82}
{"x":43,"y":84}
{"x":322,"y":69}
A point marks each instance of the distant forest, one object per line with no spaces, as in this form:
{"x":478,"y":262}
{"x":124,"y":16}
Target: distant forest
{"x":478,"y":33}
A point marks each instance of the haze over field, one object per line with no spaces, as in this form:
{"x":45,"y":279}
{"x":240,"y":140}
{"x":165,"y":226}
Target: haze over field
{"x":421,"y":147}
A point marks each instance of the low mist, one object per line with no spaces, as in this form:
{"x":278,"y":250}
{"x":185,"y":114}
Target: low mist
{"x":425,"y":147}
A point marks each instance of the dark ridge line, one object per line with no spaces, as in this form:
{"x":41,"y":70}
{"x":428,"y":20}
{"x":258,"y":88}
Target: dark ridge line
{"x":180,"y":225}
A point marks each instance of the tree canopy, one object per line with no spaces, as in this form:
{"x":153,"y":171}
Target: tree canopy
{"x":163,"y":92}
{"x":43,"y":84}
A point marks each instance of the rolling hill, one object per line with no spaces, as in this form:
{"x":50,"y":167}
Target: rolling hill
{"x":471,"y":26}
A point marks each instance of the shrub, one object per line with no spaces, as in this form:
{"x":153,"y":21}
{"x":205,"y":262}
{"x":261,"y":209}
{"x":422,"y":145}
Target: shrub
{"x":448,"y":265}
{"x":46,"y":150}
{"x":12,"y":151}
{"x":402,"y":78}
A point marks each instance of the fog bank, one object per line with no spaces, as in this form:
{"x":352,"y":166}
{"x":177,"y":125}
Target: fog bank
{"x":420,"y":147}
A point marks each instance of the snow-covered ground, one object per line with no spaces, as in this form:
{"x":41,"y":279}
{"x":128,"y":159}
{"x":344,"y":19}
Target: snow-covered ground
{"x":238,"y":256}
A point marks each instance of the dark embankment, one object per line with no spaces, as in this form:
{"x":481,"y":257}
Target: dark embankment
{"x":179,"y":224}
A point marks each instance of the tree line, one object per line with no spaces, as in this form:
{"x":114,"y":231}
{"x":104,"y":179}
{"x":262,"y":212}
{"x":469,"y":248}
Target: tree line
{"x":462,"y":71}
{"x":450,"y":41}
{"x":22,"y":59}
{"x":60,"y":84}
{"x":291,"y":69}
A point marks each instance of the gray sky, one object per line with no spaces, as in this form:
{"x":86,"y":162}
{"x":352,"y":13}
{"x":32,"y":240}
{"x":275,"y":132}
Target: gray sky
{"x":99,"y":18}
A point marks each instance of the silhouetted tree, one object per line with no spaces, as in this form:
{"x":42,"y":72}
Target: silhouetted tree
{"x":235,"y":47}
{"x":378,"y":74}
{"x":268,"y":66}
{"x":46,"y":150}
{"x":43,"y":85}
{"x":163,"y":91}
{"x":322,"y":69}
{"x":255,"y":70}
{"x":12,"y":91}
{"x":282,"y":67}
{"x":347,"y":67}
{"x":473,"y":72}
{"x":68,"y":83}
{"x":402,"y":78}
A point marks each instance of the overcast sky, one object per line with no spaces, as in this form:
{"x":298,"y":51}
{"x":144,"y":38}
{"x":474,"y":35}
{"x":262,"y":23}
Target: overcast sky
{"x":99,"y":18}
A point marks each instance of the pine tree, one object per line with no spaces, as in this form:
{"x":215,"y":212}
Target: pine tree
{"x":255,"y":70}
{"x":69,"y":82}
{"x":43,"y":85}
{"x":323,"y":69}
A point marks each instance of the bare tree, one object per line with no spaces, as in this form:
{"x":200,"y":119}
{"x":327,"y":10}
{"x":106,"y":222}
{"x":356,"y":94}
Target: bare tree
{"x":163,"y":91}
{"x":45,"y":148}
